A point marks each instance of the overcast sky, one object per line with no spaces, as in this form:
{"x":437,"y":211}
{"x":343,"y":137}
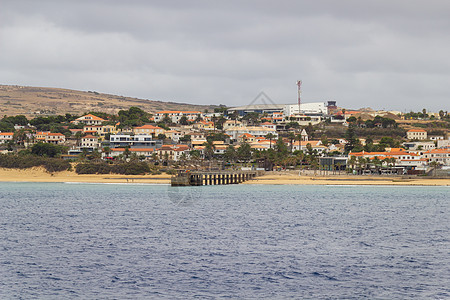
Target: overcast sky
{"x":384,"y":54}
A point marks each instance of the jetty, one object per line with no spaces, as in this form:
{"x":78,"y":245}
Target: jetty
{"x":197,"y":178}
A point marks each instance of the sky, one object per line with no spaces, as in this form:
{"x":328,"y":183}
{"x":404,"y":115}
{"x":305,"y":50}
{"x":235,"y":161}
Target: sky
{"x":383,"y":54}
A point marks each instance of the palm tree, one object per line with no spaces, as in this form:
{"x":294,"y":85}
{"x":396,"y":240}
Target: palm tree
{"x":291,"y":137}
{"x":362,"y":163}
{"x":270,"y":136}
{"x":352,"y":161}
{"x":434,"y":164}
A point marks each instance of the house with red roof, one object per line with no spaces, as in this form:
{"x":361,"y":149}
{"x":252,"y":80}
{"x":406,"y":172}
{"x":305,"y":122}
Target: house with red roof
{"x":149,"y":130}
{"x":88,"y":119}
{"x":441,"y":156}
{"x":89,"y":141}
{"x":416,"y":134}
{"x":50,"y":137}
{"x":6,"y":136}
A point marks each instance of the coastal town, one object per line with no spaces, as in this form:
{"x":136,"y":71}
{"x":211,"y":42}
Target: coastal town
{"x":319,"y":136}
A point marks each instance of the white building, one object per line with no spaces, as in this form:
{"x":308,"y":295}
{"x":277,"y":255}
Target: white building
{"x":176,"y":115}
{"x":305,"y":108}
{"x":416,"y":134}
{"x":256,"y":131}
{"x":442,"y":156}
{"x":89,"y":120}
{"x":6,"y":136}
{"x":136,"y":141}
{"x":89,"y":141}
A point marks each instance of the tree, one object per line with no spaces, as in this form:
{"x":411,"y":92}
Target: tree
{"x":184,"y":120}
{"x":352,"y":119}
{"x":185,"y":139}
{"x":324,"y":140}
{"x":46,"y":149}
{"x":209,"y":150}
{"x":167,"y":120}
{"x":195,"y":155}
{"x":230,"y":154}
{"x":352,"y":162}
{"x":352,"y":140}
{"x":126,"y":152}
{"x":161,"y":136}
{"x":244,"y":152}
{"x":270,"y":136}
{"x":96,"y":156}
{"x":252,"y":118}
{"x":107,"y":151}
{"x":281,"y":148}
{"x":20,"y":136}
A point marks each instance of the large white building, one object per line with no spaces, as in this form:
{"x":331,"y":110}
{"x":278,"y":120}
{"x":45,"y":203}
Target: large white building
{"x":176,"y":116}
{"x":256,"y":131}
{"x":315,"y":108}
{"x":305,"y":108}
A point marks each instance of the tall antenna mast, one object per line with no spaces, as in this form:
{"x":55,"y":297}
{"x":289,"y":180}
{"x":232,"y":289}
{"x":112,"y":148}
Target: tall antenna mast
{"x":299,"y":84}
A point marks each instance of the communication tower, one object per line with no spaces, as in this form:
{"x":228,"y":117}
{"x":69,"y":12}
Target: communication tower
{"x":299,"y":84}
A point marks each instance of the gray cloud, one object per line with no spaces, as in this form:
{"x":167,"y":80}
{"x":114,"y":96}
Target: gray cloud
{"x":380,"y":54}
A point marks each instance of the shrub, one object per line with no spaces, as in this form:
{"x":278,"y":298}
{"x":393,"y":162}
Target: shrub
{"x":125,"y":168}
{"x":25,"y":161}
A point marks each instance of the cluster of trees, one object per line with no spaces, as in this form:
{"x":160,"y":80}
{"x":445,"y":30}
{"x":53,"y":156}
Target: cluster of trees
{"x":25,"y":160}
{"x":360,"y":164}
{"x":126,"y":168}
{"x":378,"y":121}
{"x":278,"y":154}
{"x":423,"y":115}
{"x":354,"y":144}
{"x":51,"y":123}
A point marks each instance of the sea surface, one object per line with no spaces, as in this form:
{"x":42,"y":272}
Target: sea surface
{"x":130,"y":241}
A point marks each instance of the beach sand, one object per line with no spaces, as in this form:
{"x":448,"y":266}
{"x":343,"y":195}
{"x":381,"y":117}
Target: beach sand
{"x":41,"y":175}
{"x":294,"y":178}
{"x":284,"y":178}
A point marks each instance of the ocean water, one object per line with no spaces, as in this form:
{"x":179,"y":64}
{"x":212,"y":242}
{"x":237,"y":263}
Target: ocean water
{"x":129,"y":241}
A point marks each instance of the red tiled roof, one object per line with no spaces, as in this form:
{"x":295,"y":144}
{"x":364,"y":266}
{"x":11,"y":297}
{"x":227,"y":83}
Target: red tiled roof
{"x":147,"y":127}
{"x":92,"y":118}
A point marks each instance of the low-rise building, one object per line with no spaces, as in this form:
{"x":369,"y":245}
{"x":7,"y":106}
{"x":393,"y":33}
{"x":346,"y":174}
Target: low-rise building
{"x":50,"y":137}
{"x":6,"y":136}
{"x":416,"y":134}
{"x":149,"y":130}
{"x":88,"y":119}
{"x":136,"y":141}
{"x":256,"y":131}
{"x":441,"y":156}
{"x":176,"y":116}
{"x":89,"y":142}
{"x":418,"y":146}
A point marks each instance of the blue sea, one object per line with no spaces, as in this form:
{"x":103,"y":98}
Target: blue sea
{"x":130,"y":241}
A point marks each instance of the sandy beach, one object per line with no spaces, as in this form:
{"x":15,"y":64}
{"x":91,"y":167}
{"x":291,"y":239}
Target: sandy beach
{"x":40,"y":175}
{"x":310,"y":179}
{"x":284,"y":178}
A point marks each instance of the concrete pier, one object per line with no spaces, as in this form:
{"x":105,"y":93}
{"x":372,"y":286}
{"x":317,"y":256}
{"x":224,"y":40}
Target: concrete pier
{"x":196,"y":178}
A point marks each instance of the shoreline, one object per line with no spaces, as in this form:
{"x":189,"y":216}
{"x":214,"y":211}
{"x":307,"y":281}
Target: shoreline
{"x":276,"y":178}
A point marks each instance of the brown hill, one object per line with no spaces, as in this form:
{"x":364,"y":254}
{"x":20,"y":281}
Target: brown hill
{"x":33,"y":101}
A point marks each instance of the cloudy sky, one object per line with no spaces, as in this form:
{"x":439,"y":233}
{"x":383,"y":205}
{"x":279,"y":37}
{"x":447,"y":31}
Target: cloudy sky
{"x":384,"y":54}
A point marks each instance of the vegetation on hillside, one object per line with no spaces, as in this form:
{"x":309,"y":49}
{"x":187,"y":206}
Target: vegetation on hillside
{"x":25,"y":161}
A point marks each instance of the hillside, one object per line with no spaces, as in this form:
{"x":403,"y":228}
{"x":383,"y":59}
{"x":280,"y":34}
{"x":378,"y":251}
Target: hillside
{"x":33,"y":101}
